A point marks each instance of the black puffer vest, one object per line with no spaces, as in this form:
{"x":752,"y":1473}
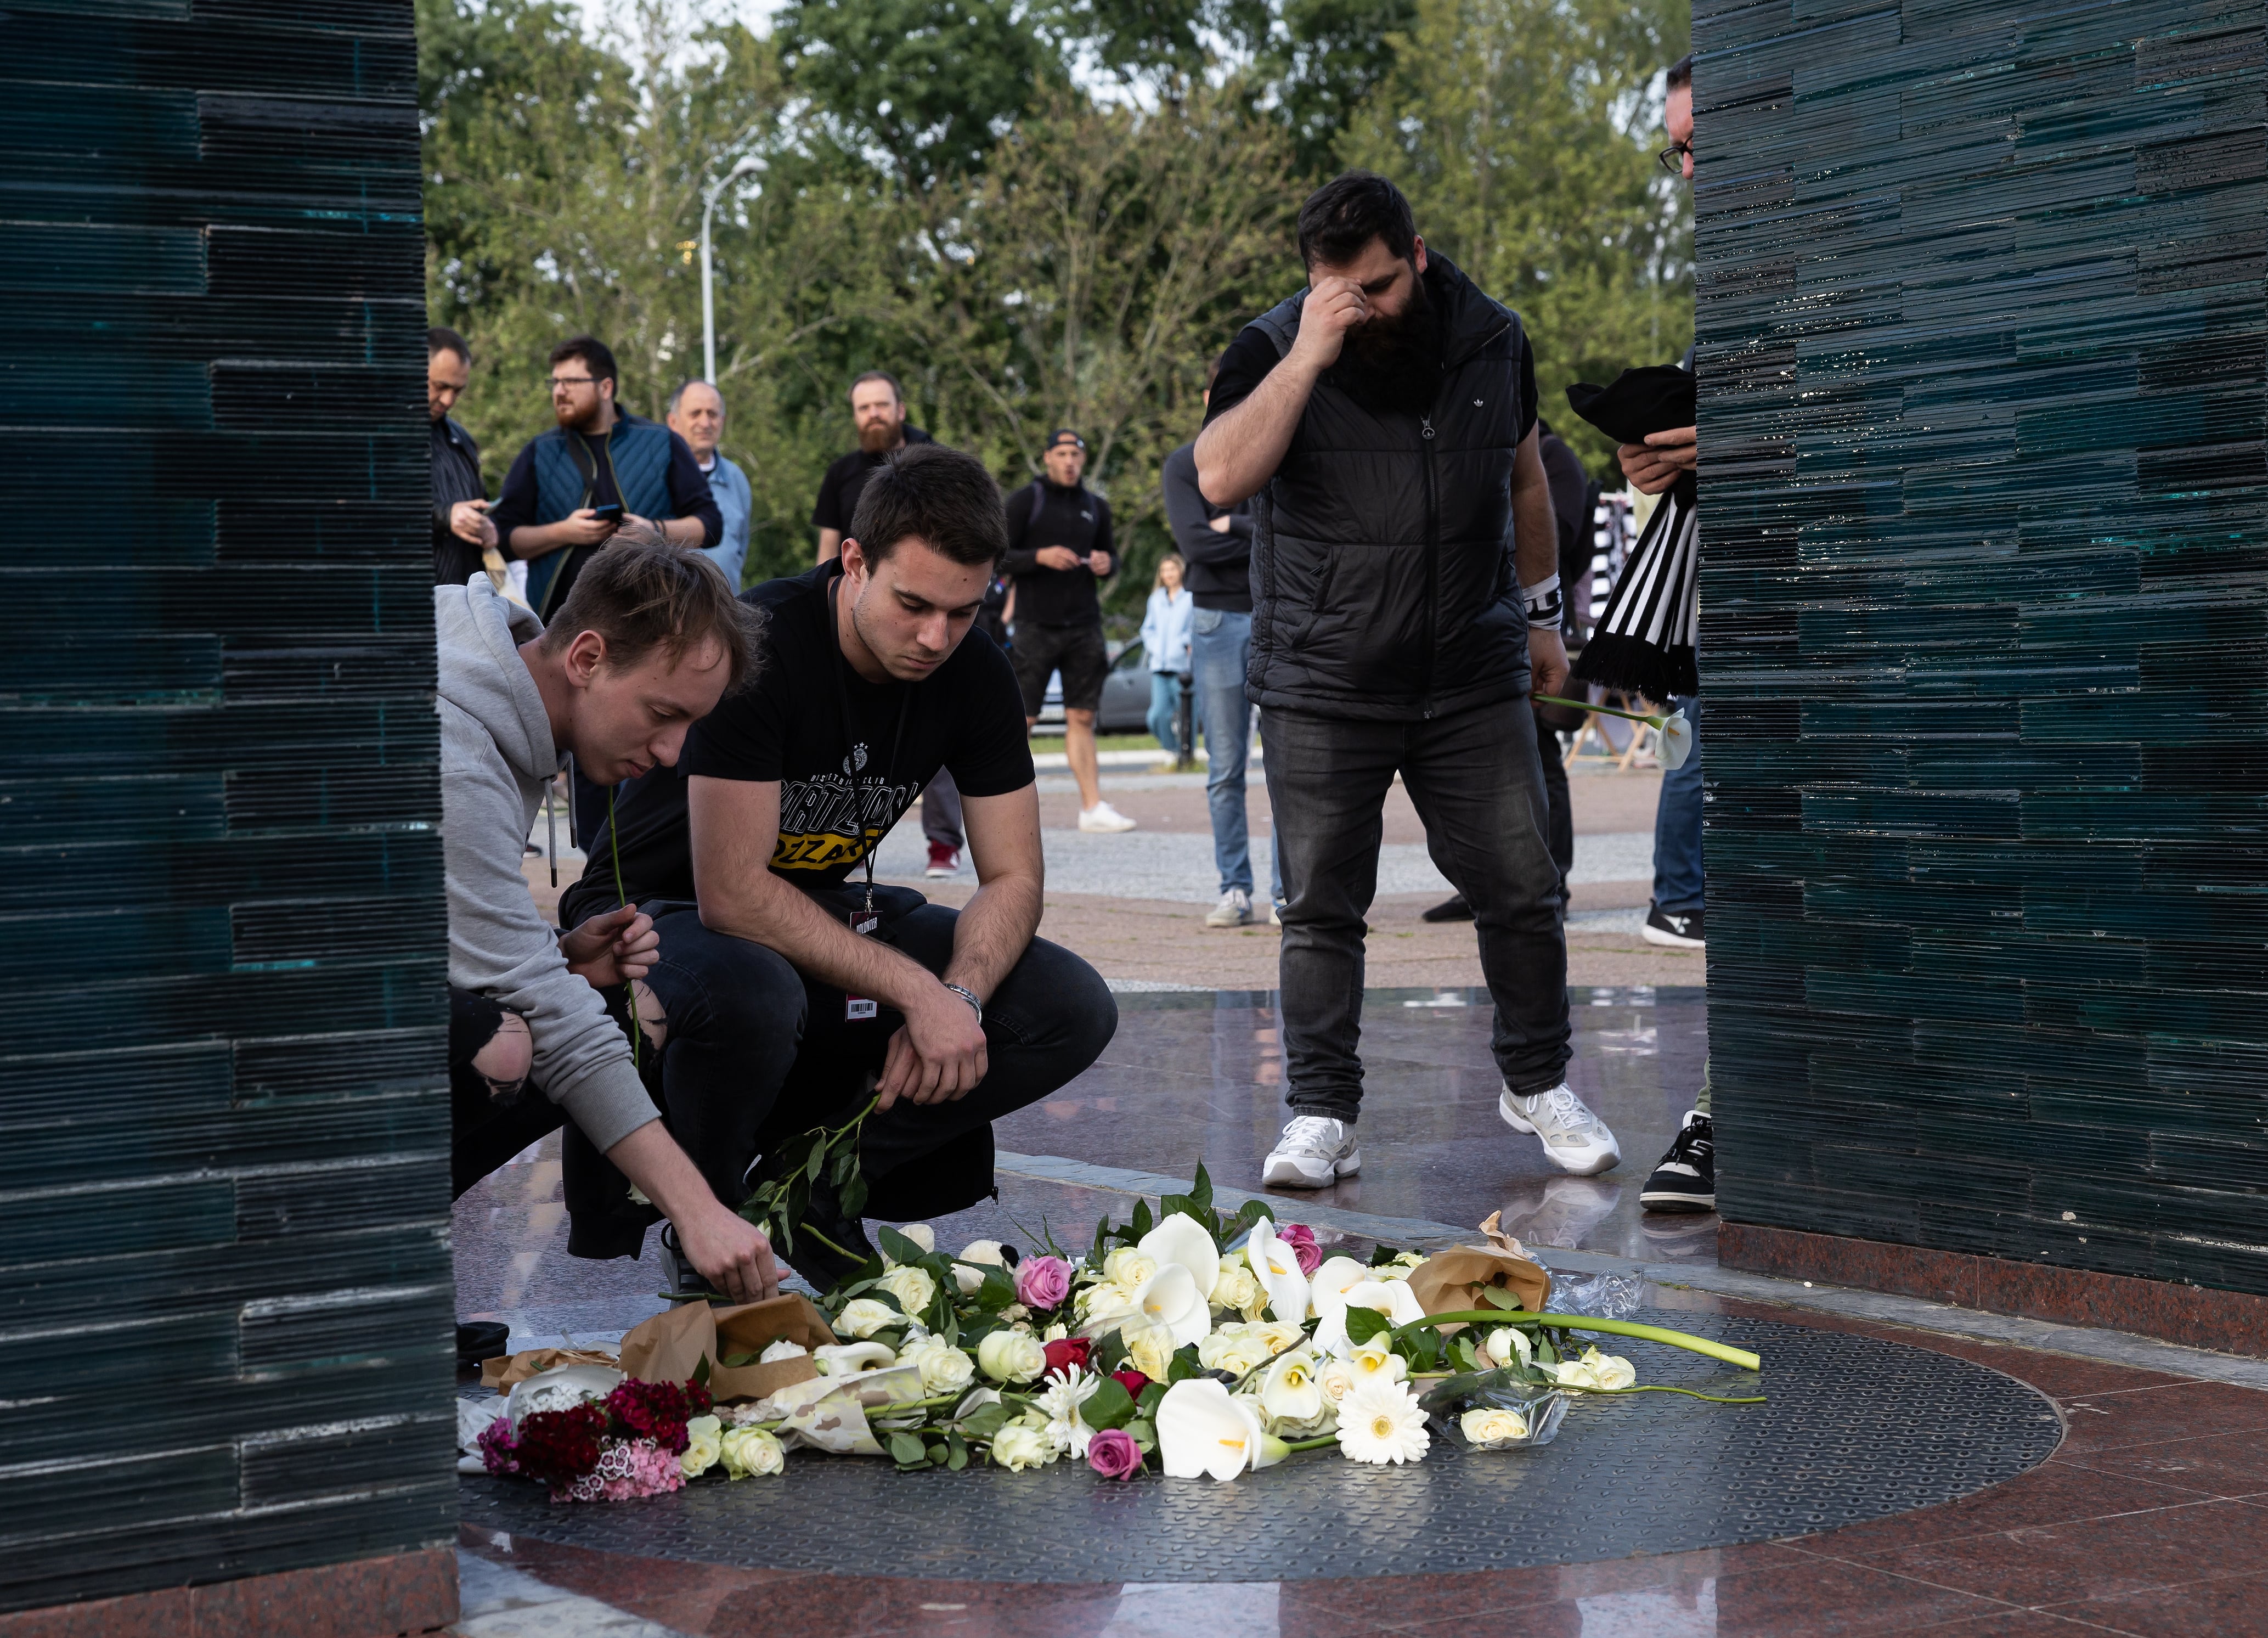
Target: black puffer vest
{"x":1382,"y":577}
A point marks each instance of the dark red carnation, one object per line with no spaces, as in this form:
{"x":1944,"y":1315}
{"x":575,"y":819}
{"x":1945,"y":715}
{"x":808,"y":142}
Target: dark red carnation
{"x":657,"y":1410}
{"x":1068,"y":1353}
{"x":560,"y":1447}
{"x":1133,"y":1380}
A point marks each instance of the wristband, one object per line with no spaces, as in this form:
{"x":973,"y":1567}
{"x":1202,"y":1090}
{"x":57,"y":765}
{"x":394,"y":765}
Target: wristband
{"x":1544,"y":603}
{"x":974,"y":1005}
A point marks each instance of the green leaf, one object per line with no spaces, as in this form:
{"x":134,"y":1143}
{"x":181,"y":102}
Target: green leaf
{"x":1185,"y":1364}
{"x":986,"y":1420}
{"x":1109,"y":1405}
{"x":845,"y":1163}
{"x":1110,"y":1353}
{"x":957,"y":1453}
{"x":896,"y":1246}
{"x":1147,"y":1405}
{"x":732,"y":1362}
{"x":937,"y":1454}
{"x":950,"y":1330}
{"x":1175,"y":1205}
{"x":1144,"y":1433}
{"x":1380,"y":1256}
{"x":701,"y":1371}
{"x":854,"y":1195}
{"x":812,"y":1167}
{"x":1497,"y":1296}
{"x":1545,"y":1353}
{"x":908,"y":1449}
{"x":1363,"y":1323}
{"x":1143,"y":1222}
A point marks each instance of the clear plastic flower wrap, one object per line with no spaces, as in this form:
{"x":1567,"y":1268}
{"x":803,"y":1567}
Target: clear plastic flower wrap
{"x":1526,"y":1414}
{"x":1609,"y":1295}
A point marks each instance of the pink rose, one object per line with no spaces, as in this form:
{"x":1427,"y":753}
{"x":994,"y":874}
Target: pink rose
{"x":1043,"y":1281}
{"x":1113,"y":1454}
{"x":1301,"y":1239}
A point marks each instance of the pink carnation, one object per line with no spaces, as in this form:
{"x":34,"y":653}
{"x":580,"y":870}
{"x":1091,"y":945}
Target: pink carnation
{"x":1113,"y":1455}
{"x":496,"y":1445}
{"x":1301,"y":1239}
{"x":627,"y":1470}
{"x":1043,"y":1281}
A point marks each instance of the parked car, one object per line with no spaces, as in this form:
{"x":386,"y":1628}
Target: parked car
{"x":1125,"y":706}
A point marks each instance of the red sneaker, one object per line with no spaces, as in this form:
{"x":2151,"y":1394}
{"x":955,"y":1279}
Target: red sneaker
{"x":943,"y":860}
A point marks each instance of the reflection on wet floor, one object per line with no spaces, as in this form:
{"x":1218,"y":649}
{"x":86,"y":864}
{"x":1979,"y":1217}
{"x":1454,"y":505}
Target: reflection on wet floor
{"x":1200,"y":1076}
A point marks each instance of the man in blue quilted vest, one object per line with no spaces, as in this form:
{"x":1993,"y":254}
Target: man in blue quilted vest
{"x":1405,"y":589}
{"x":569,"y":488}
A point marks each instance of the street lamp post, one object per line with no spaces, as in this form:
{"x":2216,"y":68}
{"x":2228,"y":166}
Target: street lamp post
{"x":708,"y":285}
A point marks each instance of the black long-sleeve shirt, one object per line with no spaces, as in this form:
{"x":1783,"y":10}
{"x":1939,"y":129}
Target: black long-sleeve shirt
{"x":1220,"y":562}
{"x":1042,"y":515}
{"x":456,"y":477}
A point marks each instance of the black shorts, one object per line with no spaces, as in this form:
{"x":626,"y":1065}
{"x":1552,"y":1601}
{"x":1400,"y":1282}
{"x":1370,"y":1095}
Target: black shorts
{"x":1076,"y":651}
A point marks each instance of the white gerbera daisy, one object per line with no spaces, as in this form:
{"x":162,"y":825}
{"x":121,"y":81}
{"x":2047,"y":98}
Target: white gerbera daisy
{"x":1381,"y":1423}
{"x":1061,"y":1402}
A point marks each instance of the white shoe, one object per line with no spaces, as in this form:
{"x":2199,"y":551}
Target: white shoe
{"x":1103,"y":816}
{"x":1574,"y":1140}
{"x":1313,"y":1150}
{"x":1234,"y":911}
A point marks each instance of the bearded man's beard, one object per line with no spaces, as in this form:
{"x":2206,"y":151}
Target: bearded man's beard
{"x":878,"y":437}
{"x":1394,"y":364}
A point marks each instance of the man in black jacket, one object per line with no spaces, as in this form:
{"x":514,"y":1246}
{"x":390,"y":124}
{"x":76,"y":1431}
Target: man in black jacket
{"x":1058,"y":549}
{"x":1405,"y":587}
{"x":461,"y":528}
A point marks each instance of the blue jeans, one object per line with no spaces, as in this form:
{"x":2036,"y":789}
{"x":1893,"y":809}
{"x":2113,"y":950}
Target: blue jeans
{"x":1221,"y":648}
{"x":1166,"y":710}
{"x":1677,"y":877}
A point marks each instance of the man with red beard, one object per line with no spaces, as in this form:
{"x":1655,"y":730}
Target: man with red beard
{"x":1405,"y":583}
{"x":878,"y":410}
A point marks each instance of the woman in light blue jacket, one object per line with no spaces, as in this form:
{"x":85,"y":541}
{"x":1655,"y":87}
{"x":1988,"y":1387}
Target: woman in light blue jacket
{"x":1166,"y":643}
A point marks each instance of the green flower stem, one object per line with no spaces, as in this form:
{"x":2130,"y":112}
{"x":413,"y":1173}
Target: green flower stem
{"x":1576,"y":1387}
{"x":823,"y":1240}
{"x":1741,"y":1357}
{"x":622,"y":898}
{"x":1297,"y":1445}
{"x":1604,"y":711}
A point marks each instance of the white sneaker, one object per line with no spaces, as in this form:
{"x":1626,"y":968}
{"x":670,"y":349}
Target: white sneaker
{"x":1313,"y":1150}
{"x":1574,"y":1140}
{"x":1103,"y":816}
{"x":1234,"y":911}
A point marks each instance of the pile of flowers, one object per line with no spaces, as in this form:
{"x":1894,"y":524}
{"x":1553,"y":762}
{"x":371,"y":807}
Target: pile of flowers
{"x":1187,"y":1343}
{"x":635,"y":1440}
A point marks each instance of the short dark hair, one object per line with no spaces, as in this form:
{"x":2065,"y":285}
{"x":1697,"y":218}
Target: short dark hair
{"x":943,"y":495}
{"x":643,"y":593}
{"x":441,"y":338}
{"x":1681,"y":72}
{"x":597,"y":358}
{"x":897,"y":391}
{"x":1350,"y":211}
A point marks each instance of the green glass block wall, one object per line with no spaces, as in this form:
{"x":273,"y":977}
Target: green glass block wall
{"x":1984,"y":619}
{"x":225,"y":1284}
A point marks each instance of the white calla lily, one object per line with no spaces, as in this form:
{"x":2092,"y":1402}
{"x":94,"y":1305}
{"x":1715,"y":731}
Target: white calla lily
{"x":1180,"y":1239}
{"x":1171,"y":1298}
{"x":1277,"y":1269}
{"x":848,"y":1358}
{"x":1676,"y":739}
{"x":1289,"y":1392}
{"x":1334,"y":1279}
{"x":1390,"y":1297}
{"x":1202,"y":1429}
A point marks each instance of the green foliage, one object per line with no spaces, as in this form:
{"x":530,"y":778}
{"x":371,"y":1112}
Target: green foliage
{"x":936,"y":192}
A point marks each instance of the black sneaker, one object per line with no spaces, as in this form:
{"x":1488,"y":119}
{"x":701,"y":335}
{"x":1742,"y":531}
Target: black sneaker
{"x":1686,"y":1179}
{"x":1679,"y":929}
{"x":1448,"y":909}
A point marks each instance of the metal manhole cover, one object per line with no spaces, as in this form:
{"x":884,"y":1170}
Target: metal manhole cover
{"x":1857,"y":1429}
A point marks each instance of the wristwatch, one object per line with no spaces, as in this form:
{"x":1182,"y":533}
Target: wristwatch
{"x":969,"y":996}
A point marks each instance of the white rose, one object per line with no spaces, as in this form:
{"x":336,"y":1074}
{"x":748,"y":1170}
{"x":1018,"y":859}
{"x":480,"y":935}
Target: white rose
{"x":915,"y":1288}
{"x":1608,"y":1370}
{"x":1149,"y":1348}
{"x":1508,"y":1343}
{"x":705,"y":1444}
{"x":862,"y":1317}
{"x":1019,"y":1446}
{"x":1013,"y":1356}
{"x":1335,"y":1378}
{"x":1232,"y":1349}
{"x":1128,"y":1267}
{"x":752,"y":1450}
{"x":1487,"y":1424}
{"x":1237,"y":1289}
{"x":1095,"y":1301}
{"x":944,"y":1367}
{"x":1275,"y":1335}
{"x":986,"y":1251}
{"x":921,"y":1234}
{"x":1576,"y":1374}
{"x":782,"y":1349}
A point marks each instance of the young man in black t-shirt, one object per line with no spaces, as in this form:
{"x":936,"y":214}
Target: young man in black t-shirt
{"x":785,"y":977}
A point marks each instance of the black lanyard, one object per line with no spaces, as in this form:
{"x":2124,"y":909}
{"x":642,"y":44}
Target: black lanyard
{"x":851,"y":738}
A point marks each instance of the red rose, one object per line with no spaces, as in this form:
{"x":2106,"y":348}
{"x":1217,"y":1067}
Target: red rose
{"x":1133,"y":1380}
{"x":1068,"y":1353}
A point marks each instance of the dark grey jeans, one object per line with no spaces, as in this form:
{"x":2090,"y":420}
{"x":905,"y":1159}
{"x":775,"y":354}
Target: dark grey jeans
{"x":1477,"y":782}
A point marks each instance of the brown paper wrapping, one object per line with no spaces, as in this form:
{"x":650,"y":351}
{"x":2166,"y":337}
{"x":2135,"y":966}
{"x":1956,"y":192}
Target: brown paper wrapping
{"x":1451,"y":1280}
{"x":505,"y":1374}
{"x":669,"y":1347}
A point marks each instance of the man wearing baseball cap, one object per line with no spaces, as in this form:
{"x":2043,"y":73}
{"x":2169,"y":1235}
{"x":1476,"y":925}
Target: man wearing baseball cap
{"x":1058,"y":547}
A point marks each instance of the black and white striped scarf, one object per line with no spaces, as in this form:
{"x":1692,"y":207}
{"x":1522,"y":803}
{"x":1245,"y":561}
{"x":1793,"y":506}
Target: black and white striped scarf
{"x":1644,"y":642}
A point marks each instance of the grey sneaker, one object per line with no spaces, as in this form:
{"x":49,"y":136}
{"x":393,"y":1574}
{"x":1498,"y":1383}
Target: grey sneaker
{"x":1313,"y":1150}
{"x":1234,"y":911}
{"x":1574,"y":1140}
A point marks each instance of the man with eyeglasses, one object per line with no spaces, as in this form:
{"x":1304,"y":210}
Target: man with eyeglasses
{"x":570,"y":488}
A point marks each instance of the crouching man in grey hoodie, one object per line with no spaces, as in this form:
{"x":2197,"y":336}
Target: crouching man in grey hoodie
{"x":650,"y":639}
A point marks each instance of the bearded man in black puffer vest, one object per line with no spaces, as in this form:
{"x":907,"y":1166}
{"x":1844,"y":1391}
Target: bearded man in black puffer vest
{"x":1405,"y":588}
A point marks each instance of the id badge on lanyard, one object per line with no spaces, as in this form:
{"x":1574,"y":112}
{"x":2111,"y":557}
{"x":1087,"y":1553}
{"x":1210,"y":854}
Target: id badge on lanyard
{"x":863,"y":923}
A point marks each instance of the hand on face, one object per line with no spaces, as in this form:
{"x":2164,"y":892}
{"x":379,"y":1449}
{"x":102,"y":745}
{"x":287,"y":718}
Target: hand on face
{"x":1334,"y":306}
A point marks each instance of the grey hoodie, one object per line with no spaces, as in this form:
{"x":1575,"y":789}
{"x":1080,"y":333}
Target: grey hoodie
{"x":497,"y":755}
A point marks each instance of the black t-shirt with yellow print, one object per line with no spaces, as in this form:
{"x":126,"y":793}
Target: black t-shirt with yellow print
{"x":840,"y":790}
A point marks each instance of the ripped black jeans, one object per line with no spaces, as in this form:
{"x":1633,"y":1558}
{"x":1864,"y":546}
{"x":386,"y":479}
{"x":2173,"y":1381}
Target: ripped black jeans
{"x":494,"y":1111}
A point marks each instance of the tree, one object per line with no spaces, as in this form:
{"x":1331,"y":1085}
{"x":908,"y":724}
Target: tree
{"x":1524,"y":132}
